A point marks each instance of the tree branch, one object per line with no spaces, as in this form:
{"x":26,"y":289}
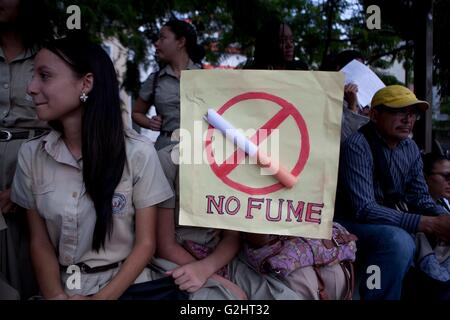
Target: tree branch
{"x":329,"y":11}
{"x":376,"y":57}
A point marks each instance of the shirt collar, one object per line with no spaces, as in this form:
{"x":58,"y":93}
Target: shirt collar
{"x":445,"y":203}
{"x":28,"y":53}
{"x":168,"y":69}
{"x":57,"y":149}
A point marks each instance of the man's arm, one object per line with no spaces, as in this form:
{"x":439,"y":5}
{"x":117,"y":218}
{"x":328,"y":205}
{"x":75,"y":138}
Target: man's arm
{"x":438,"y":226}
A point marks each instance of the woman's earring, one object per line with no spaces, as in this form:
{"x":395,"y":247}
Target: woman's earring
{"x":83,"y":97}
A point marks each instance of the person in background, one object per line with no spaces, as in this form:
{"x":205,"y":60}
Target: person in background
{"x":382,"y":195}
{"x":354,"y":116}
{"x":24,"y":25}
{"x":436,"y":169}
{"x":203,"y":275}
{"x":177,"y":50}
{"x":275,"y":48}
{"x":203,"y":261}
{"x":89,"y":187}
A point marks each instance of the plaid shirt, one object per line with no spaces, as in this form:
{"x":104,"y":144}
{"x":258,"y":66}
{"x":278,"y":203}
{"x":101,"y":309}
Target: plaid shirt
{"x":360,"y":194}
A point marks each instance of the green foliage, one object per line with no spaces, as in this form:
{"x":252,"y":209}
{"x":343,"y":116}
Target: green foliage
{"x":401,"y":17}
{"x":445,"y":106}
{"x":321,"y":26}
{"x":389,"y":79}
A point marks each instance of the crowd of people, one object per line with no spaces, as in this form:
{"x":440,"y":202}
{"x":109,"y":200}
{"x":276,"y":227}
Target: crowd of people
{"x":78,"y":188}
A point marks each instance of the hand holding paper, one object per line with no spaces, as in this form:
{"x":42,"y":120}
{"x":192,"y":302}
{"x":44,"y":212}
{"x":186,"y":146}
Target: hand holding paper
{"x":367,"y":81}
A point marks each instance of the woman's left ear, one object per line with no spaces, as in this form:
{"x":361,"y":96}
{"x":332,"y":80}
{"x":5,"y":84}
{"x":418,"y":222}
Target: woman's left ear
{"x":182,"y":42}
{"x":88,"y":83}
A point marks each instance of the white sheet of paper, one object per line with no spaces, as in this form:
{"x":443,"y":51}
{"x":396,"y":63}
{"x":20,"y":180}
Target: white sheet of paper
{"x":367,"y":81}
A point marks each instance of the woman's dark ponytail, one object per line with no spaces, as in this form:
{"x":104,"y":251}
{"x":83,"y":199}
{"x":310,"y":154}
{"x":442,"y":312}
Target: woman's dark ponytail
{"x":103,"y":141}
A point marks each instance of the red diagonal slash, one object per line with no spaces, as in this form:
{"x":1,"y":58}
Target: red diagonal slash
{"x":287,"y":109}
{"x":229,"y":165}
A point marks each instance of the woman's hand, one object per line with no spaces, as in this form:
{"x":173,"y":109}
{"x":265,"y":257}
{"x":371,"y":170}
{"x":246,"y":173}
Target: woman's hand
{"x":155,"y":123}
{"x":192,"y":276}
{"x":139,"y":115}
{"x":5,"y":201}
{"x":350,"y":95}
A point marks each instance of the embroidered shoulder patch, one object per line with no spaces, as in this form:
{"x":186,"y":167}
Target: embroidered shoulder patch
{"x":119,"y":202}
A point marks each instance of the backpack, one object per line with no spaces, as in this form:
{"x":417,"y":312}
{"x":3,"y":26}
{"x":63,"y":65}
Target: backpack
{"x":284,"y":255}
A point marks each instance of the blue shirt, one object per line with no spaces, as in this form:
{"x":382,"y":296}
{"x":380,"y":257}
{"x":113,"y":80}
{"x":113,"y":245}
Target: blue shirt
{"x":360,"y":196}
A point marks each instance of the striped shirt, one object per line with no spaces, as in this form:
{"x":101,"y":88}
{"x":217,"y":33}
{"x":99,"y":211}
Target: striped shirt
{"x":360,"y":195}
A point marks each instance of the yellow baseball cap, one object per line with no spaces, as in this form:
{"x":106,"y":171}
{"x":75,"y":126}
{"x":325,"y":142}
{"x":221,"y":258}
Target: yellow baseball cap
{"x":396,"y":96}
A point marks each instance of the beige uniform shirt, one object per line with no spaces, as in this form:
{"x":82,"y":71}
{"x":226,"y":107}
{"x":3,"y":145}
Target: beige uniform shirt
{"x":166,"y":101}
{"x":16,"y":106}
{"x":49,"y":180}
{"x":205,"y":236}
{"x":16,"y":111}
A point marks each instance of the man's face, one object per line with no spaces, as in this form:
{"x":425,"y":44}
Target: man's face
{"x":394,"y":124}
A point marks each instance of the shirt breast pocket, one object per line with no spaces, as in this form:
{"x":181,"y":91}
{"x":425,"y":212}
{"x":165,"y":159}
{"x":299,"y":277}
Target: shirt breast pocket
{"x":43,"y":196}
{"x":165,"y":99}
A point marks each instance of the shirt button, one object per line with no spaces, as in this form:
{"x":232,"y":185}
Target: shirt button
{"x":6,"y":85}
{"x":74,"y":194}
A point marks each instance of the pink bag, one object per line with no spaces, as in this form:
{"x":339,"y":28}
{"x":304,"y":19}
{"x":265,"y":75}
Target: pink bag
{"x":283,"y":255}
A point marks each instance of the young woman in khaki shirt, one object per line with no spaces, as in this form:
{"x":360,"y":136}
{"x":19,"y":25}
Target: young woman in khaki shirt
{"x":177,"y":50}
{"x":89,"y":186}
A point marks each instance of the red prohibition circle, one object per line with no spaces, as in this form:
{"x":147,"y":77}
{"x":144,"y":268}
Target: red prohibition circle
{"x":286,"y":107}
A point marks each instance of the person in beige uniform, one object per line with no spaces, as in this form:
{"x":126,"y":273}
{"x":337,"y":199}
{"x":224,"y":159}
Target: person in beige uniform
{"x":18,"y":122}
{"x":199,"y":258}
{"x":90,"y":187}
{"x":178,"y":50}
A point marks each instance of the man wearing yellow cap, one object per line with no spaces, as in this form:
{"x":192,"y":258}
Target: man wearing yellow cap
{"x":382,"y":194}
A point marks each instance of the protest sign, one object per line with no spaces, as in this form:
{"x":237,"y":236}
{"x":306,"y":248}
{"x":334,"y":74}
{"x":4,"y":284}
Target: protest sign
{"x":292,"y":116}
